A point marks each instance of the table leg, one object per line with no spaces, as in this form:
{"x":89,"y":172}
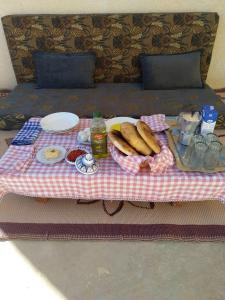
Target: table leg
{"x":42,"y":200}
{"x":152,"y":205}
{"x":176,"y":204}
{"x":119,"y":207}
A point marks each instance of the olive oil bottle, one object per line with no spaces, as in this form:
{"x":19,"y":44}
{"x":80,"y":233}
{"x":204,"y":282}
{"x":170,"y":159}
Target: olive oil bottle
{"x":98,"y":136}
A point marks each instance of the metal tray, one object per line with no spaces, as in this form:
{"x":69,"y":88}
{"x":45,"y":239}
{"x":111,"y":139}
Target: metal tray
{"x":179,"y":149}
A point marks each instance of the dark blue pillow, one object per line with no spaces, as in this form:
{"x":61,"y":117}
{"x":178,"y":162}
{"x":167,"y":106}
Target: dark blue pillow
{"x":59,"y":70}
{"x":172,"y":71}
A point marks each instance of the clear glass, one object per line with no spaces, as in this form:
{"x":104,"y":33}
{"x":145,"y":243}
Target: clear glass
{"x":211,"y":137}
{"x":204,"y":152}
{"x":187,"y":154}
{"x":197,"y":138}
{"x":194,"y":155}
{"x":212,"y":156}
{"x":197,"y":155}
{"x":188,"y":122}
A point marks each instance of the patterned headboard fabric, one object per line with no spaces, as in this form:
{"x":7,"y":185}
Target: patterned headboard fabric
{"x":117,"y":39}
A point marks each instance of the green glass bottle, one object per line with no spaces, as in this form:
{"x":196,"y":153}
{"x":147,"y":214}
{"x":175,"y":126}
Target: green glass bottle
{"x":98,"y":136}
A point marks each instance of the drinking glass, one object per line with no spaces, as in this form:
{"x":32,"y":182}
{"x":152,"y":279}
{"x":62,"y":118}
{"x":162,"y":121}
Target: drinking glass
{"x":211,"y":137}
{"x":212,"y":156}
{"x":197,"y":156}
{"x":187,"y":154}
{"x":197,"y":138}
{"x":194,"y":155}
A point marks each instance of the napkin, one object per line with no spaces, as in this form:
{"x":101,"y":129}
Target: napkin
{"x":28,"y":134}
{"x":159,"y":163}
{"x":156,"y":122}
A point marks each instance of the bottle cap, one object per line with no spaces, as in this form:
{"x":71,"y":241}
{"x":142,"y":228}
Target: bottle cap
{"x":97,"y":114}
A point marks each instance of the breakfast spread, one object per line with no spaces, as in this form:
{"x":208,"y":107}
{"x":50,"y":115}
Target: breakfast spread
{"x":86,"y":164}
{"x":209,"y":117}
{"x":119,"y":176}
{"x":135,"y":140}
{"x":191,"y":117}
{"x":188,"y":123}
{"x":115,"y":126}
{"x":119,"y":142}
{"x":148,"y":136}
{"x":115,"y":123}
{"x":131,"y":135}
{"x":59,"y":122}
{"x":193,"y":143}
{"x":51,"y":153}
{"x":134,"y":143}
{"x":73,"y":155}
{"x":98,"y":136}
{"x":84,"y":136}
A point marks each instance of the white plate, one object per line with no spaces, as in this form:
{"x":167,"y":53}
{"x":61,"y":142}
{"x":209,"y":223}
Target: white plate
{"x":60,"y":132}
{"x":59,"y":122}
{"x":119,"y":120}
{"x":41,"y":157}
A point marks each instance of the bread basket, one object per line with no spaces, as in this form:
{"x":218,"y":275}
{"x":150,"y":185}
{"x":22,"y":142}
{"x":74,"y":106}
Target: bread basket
{"x":157,"y":163}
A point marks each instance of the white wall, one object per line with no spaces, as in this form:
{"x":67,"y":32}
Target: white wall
{"x":216,"y":76}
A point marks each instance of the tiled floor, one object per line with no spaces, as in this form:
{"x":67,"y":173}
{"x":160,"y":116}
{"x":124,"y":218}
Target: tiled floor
{"x":89,"y":270}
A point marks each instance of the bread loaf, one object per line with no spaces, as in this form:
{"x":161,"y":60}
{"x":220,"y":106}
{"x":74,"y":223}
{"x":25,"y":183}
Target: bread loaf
{"x":119,"y":142}
{"x":148,"y":136}
{"x":131,"y":135}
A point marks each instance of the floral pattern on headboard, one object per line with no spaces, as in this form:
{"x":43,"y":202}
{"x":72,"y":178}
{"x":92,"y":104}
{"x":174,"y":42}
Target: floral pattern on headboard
{"x":117,"y":39}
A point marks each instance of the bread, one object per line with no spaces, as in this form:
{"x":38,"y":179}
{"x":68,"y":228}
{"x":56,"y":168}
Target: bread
{"x":148,"y":136}
{"x":131,"y":135}
{"x":119,"y":142}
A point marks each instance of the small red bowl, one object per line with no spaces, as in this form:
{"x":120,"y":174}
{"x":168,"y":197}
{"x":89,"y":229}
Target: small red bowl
{"x":72,"y":155}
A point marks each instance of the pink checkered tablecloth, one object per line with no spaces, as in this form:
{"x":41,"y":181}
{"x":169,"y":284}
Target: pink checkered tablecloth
{"x":20,"y":173}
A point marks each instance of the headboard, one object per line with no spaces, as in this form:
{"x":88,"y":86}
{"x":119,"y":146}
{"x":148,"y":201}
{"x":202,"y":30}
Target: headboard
{"x":117,"y":39}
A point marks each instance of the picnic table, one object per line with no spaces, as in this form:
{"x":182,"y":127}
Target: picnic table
{"x":21,"y":173}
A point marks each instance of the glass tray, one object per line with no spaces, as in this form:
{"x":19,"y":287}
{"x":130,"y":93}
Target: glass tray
{"x":179,"y":149}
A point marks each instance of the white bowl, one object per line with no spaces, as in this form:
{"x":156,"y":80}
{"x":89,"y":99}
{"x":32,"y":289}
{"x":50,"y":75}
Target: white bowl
{"x":118,"y":120}
{"x":72,"y":162}
{"x":59,"y":122}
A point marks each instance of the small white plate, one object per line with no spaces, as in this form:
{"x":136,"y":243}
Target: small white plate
{"x":41,"y":157}
{"x":119,"y":120}
{"x":59,"y":122}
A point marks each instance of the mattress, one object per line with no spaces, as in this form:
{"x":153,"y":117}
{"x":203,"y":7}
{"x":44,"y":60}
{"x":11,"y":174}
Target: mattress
{"x":112,"y":99}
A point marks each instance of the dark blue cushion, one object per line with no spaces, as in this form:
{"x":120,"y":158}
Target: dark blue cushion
{"x":172,"y":71}
{"x":59,"y":70}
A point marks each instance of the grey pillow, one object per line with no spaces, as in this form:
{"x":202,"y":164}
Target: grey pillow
{"x":59,"y":70}
{"x":171,"y":71}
